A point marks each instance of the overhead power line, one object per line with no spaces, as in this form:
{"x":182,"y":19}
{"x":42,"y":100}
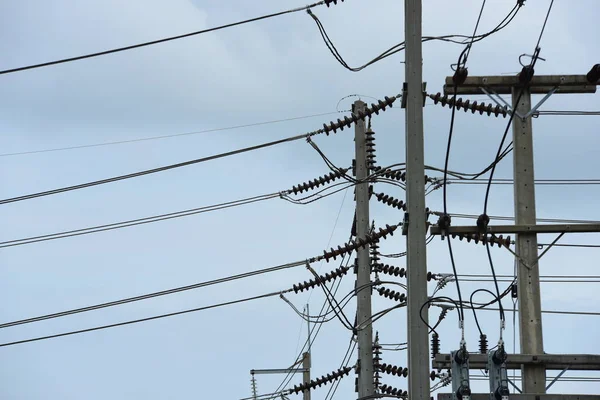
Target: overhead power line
{"x":135,"y":222}
{"x":85,"y":146}
{"x":465,"y":39}
{"x":152,"y":295}
{"x":163,"y":40}
{"x":554,"y":182}
{"x":156,"y":170}
{"x":136,"y":321}
{"x":565,"y":112}
{"x":332,"y":127}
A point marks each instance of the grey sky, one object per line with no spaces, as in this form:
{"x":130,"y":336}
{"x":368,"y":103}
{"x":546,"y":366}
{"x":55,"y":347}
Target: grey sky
{"x":272,"y":69}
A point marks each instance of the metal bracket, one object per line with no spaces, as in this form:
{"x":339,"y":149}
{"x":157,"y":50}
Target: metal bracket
{"x":501,"y":102}
{"x":542,"y":101}
{"x":514,"y":386}
{"x":405,"y":92}
{"x":460,"y":374}
{"x":498,"y":375}
{"x":556,"y":378}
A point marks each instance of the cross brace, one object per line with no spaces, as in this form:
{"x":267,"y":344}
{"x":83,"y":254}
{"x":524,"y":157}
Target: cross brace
{"x":504,"y":229}
{"x":277,"y":371}
{"x":574,"y":362}
{"x":486,"y":396}
{"x":540,"y":84}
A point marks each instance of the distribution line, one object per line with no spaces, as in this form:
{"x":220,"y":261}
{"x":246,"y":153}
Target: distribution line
{"x":144,"y":139}
{"x":159,"y":169}
{"x":561,"y":312}
{"x":505,"y":218}
{"x":135,"y":222}
{"x":152,"y":295}
{"x":97,"y":328}
{"x":553,"y":182}
{"x":153,"y":42}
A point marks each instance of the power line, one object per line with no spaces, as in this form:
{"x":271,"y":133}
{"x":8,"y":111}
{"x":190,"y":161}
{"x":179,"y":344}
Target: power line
{"x":556,"y":182}
{"x":153,"y":42}
{"x":565,"y":112}
{"x":505,"y":218}
{"x":135,"y":222}
{"x":97,"y":328}
{"x":151,"y":295}
{"x":85,"y":146}
{"x":159,"y":169}
{"x":544,"y":26}
{"x":560,"y":312}
{"x":400,"y":46}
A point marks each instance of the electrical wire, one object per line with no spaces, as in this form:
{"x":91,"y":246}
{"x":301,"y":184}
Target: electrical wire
{"x":446,"y":161}
{"x":544,"y":26}
{"x":154,"y":42}
{"x":97,"y":328}
{"x":335,"y":224}
{"x":475,"y":31}
{"x":566,"y":112}
{"x":345,"y":361}
{"x":497,"y":159}
{"x":159,"y":169}
{"x":401,"y":46}
{"x":85,"y":146}
{"x":505,"y":218}
{"x":556,"y":182}
{"x":152,"y":295}
{"x":317,"y":327}
{"x":473,"y":308}
{"x":135,"y":222}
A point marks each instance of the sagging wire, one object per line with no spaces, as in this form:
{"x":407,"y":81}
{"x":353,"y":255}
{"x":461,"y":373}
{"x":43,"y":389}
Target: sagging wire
{"x":401,"y":46}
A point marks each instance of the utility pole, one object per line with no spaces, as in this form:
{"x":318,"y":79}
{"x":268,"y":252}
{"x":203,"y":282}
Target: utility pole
{"x":306,"y":361}
{"x":415,"y":218}
{"x":306,"y":374}
{"x":363,"y":273}
{"x":528,"y":284}
{"x":533,"y":361}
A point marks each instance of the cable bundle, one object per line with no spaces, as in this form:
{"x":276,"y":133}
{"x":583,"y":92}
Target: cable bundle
{"x":394,"y":370}
{"x":391,"y":201}
{"x":359,"y":242}
{"x":386,"y":389}
{"x":392,"y":294}
{"x":315,"y":183}
{"x":370,"y":145}
{"x":467,"y":105}
{"x":491,"y":239}
{"x":325,"y":379}
{"x":390,"y":270}
{"x":359,"y":115}
{"x":337,"y":273}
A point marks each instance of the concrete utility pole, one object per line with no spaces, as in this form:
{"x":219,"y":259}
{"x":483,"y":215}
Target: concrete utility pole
{"x":528,"y":282}
{"x":418,"y":335}
{"x":306,"y":374}
{"x":363,"y":277}
{"x":306,"y":361}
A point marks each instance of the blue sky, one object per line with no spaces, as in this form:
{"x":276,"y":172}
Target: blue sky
{"x":268,"y":70}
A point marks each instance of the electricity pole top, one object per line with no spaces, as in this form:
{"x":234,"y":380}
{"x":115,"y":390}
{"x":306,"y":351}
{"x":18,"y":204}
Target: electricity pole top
{"x":534,"y":361}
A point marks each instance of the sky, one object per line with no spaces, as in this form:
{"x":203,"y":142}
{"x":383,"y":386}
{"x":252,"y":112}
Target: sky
{"x":269,"y":70}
